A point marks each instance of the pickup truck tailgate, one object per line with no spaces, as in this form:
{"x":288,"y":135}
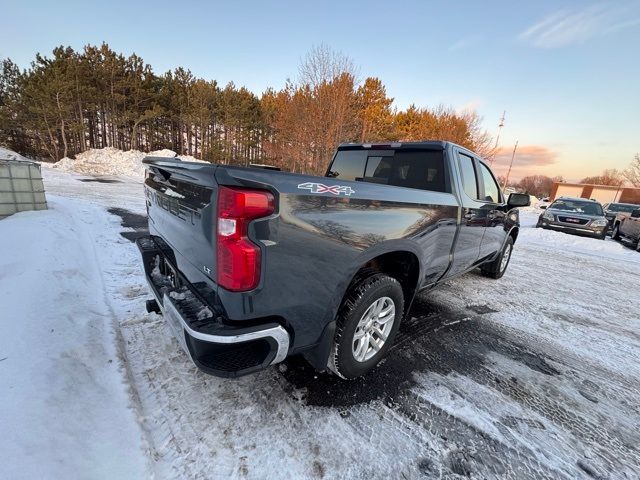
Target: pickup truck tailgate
{"x":181,"y":209}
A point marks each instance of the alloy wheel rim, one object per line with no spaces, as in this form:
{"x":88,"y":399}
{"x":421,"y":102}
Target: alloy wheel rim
{"x":505,"y":257}
{"x":373,"y":329}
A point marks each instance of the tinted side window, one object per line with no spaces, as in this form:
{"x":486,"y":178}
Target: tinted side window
{"x":468,"y":171}
{"x":411,"y":169}
{"x":348,"y":165}
{"x":491,"y":190}
{"x":423,"y":170}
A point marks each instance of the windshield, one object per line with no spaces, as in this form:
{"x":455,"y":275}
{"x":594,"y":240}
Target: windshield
{"x":622,"y":207}
{"x":576,"y":206}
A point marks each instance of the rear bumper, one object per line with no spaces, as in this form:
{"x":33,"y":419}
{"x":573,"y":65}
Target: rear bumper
{"x":214,"y":344}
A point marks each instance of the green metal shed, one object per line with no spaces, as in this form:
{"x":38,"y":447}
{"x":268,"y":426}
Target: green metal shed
{"x":21,"y":187}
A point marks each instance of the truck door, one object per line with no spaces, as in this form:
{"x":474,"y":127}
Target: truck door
{"x":472,"y":223}
{"x":495,"y":232}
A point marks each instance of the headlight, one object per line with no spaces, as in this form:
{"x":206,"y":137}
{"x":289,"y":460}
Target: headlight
{"x":600,"y":222}
{"x":548,"y":216}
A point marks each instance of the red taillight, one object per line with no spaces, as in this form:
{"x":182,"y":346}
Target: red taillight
{"x":239,"y":257}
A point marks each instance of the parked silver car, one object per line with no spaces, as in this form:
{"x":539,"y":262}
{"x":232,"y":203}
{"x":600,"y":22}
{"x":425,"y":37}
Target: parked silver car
{"x":575,"y":215}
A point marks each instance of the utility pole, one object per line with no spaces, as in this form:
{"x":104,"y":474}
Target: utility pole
{"x":500,"y":125}
{"x":513,"y":155}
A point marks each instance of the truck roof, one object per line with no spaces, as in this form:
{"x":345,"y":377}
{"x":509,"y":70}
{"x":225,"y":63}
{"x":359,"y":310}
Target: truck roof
{"x":430,"y":144}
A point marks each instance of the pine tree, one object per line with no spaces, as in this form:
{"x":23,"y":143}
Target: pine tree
{"x":71,"y":101}
{"x":374,"y":111}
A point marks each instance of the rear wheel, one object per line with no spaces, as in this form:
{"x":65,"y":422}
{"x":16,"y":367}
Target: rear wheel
{"x":366,"y":326}
{"x":497,"y":268}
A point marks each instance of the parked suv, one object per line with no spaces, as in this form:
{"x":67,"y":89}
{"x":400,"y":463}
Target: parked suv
{"x":575,"y":215}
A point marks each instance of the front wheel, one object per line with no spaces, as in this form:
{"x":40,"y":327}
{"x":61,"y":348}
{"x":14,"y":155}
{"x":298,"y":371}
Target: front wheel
{"x":497,"y":268}
{"x":616,"y":232}
{"x":366,"y":326}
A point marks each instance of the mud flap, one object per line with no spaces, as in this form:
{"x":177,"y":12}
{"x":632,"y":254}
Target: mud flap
{"x":319,"y":356}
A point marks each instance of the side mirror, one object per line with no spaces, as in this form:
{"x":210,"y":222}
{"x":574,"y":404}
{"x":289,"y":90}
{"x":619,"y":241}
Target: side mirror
{"x":543,"y":207}
{"x":519,"y":200}
{"x":636,"y":213}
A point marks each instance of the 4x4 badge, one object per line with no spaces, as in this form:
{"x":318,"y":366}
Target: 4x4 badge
{"x":321,"y":188}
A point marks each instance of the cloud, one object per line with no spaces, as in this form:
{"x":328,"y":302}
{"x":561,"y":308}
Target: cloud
{"x":529,"y":160}
{"x":569,"y":27}
{"x":526,"y":155}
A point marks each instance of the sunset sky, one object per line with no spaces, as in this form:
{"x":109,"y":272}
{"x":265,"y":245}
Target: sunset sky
{"x":567,"y":73}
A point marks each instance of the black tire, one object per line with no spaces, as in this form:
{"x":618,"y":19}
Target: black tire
{"x":496,"y":268}
{"x":615,"y":234}
{"x":638,"y":246}
{"x":359,"y":300}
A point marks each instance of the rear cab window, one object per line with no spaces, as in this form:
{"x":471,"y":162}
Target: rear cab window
{"x":418,"y":169}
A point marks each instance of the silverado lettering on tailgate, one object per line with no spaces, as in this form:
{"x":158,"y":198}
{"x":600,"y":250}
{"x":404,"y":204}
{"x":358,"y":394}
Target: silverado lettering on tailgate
{"x":172,"y":205}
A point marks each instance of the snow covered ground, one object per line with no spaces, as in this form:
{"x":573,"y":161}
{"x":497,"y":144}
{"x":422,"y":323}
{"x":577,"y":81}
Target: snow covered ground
{"x":65,"y":404}
{"x":532,"y":376}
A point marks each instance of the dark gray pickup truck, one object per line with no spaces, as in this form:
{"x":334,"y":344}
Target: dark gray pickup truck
{"x":251,"y":265}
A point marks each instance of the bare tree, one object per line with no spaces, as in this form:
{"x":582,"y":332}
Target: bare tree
{"x":481,"y":140}
{"x":538,"y":185}
{"x":633,"y":172}
{"x":322,"y":64}
{"x":611,"y":177}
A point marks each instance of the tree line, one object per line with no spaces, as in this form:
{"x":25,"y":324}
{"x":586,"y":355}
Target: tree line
{"x":71,"y":101}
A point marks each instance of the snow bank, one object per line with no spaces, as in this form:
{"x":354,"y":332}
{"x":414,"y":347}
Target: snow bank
{"x":111,"y":161}
{"x":5,"y":154}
